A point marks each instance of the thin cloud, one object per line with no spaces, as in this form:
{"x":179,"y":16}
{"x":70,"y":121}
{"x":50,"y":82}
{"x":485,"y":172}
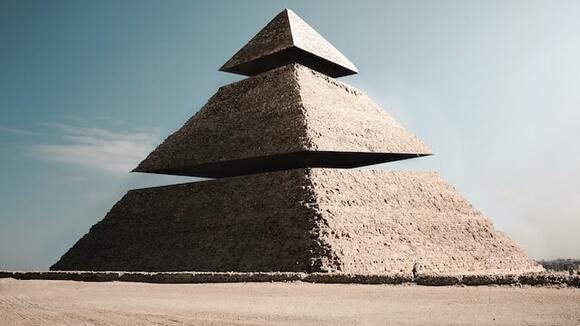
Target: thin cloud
{"x":96,"y":148}
{"x":19,"y":132}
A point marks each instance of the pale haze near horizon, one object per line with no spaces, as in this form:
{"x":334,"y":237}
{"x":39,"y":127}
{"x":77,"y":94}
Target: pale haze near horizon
{"x":87,"y":89}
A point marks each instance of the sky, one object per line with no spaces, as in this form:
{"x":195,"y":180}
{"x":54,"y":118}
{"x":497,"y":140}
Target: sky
{"x":89,"y":88}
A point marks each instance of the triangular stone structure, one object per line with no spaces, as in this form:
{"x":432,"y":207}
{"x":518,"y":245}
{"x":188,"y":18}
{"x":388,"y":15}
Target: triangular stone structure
{"x":282,"y":138}
{"x":288,"y":39}
{"x":301,"y":220}
{"x":301,"y":118}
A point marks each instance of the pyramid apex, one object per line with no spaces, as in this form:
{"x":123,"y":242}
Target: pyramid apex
{"x":287,"y":38}
{"x":288,"y":11}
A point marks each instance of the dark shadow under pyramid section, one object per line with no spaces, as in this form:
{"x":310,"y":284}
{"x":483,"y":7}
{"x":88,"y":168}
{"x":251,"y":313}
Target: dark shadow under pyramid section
{"x":289,"y":117}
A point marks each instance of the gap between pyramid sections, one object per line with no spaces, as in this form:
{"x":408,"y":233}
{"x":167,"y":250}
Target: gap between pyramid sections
{"x":292,"y":115}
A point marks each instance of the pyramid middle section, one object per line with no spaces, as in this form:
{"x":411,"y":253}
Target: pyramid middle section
{"x":290,"y":117}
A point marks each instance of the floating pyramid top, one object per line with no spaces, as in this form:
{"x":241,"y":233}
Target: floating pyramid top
{"x":288,"y":39}
{"x":286,"y":118}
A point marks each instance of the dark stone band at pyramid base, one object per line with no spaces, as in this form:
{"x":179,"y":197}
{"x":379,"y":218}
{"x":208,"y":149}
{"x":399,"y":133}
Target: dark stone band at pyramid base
{"x":286,"y":161}
{"x":304,"y":220}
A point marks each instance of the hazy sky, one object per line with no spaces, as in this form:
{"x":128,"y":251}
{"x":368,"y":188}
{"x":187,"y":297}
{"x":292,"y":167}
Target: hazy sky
{"x":88,"y":88}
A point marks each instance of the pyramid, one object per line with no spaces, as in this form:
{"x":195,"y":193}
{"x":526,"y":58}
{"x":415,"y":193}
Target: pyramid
{"x":280,"y":120}
{"x":288,"y":39}
{"x":300,"y":220}
{"x":281,"y":144}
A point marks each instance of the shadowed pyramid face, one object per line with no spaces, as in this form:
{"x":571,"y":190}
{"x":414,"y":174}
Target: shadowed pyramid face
{"x":290,"y":115}
{"x":288,"y":39}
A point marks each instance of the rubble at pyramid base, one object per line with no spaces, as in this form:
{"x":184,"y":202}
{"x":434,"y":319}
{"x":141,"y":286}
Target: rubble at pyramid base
{"x":362,"y":222}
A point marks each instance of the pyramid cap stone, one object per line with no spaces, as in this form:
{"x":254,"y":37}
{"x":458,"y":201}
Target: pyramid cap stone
{"x":289,"y":39}
{"x":286,"y":118}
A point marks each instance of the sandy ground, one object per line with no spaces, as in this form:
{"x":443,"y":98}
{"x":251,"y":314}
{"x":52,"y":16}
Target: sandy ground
{"x":77,"y":303}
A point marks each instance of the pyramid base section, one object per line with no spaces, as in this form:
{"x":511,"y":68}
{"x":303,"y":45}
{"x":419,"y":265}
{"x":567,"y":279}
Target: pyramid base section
{"x":304,"y":220}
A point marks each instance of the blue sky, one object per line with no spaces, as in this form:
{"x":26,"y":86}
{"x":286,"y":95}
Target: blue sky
{"x":88,"y":88}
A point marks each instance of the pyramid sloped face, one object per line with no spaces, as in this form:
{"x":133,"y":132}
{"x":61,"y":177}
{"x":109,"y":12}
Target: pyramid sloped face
{"x":288,"y":39}
{"x":261,"y":222}
{"x":237,"y":131}
{"x":308,"y":39}
{"x":384,"y":221}
{"x":342,"y":118}
{"x":290,"y":117}
{"x":304,"y":220}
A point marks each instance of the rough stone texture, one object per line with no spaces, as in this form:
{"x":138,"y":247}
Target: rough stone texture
{"x":528,"y":279}
{"x":546,"y":279}
{"x":287,"y":118}
{"x":207,"y":277}
{"x":494,"y":279}
{"x":288,"y":39}
{"x":252,"y":223}
{"x":438,"y":280}
{"x":381,"y":221}
{"x":304,"y":220}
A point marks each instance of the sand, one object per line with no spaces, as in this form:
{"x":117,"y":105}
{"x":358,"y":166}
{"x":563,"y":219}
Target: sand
{"x":111,"y":303}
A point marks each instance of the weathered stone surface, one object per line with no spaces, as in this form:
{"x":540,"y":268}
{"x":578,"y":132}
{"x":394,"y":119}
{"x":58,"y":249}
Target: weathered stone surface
{"x":490,"y":279}
{"x":438,"y":280}
{"x":389,"y":221}
{"x":287,"y":118}
{"x":288,"y":39}
{"x":574,"y":280}
{"x":251,"y":223}
{"x":357,"y":278}
{"x":545,"y":279}
{"x":304,"y":220}
{"x":528,"y":279}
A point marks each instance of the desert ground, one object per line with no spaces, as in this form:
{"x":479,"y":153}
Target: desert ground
{"x":42,"y":302}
